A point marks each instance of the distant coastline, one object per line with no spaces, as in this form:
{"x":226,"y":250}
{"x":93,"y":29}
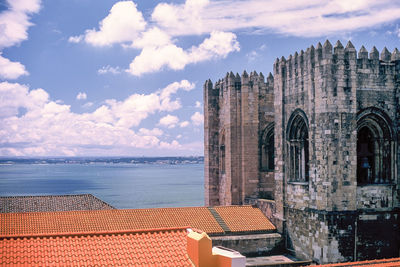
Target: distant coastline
{"x":111,"y":160}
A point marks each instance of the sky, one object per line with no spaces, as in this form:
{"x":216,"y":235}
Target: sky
{"x":125,"y":78}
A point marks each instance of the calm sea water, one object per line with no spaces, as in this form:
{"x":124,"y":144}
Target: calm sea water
{"x":121,"y":185}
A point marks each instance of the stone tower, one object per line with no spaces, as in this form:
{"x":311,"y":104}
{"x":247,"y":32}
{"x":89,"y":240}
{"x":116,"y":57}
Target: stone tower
{"x":337,"y":152}
{"x":336,"y":128}
{"x":236,"y":111}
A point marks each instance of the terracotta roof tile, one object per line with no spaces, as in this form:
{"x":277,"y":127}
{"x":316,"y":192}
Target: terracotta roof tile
{"x":138,"y":248}
{"x":395,"y":262}
{"x":51,"y":203}
{"x":16,"y":224}
{"x":244,"y":219}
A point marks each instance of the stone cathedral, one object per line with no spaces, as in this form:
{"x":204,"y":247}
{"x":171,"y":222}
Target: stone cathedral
{"x":320,"y":139}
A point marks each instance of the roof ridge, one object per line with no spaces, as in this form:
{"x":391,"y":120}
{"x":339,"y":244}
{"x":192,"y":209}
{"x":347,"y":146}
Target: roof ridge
{"x":237,"y":206}
{"x":108,"y":210}
{"x":96,"y":233}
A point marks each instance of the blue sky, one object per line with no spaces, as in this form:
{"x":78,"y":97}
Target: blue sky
{"x":124,"y":78}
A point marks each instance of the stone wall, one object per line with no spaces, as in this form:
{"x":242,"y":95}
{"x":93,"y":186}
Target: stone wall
{"x":250,"y":245}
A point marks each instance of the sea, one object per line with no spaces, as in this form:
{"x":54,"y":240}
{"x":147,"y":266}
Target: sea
{"x":122,"y":185}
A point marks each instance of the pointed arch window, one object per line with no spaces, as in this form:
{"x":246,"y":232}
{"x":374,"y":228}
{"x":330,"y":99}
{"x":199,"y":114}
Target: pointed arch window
{"x":298,"y":147}
{"x":222,"y":155}
{"x":375,"y":147}
{"x":268,"y":149}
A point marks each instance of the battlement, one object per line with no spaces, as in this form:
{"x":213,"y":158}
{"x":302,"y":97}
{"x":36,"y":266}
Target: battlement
{"x":321,"y":53}
{"x":341,"y":72}
{"x":236,"y":80}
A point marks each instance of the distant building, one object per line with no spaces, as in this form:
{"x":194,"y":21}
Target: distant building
{"x":321,"y":137}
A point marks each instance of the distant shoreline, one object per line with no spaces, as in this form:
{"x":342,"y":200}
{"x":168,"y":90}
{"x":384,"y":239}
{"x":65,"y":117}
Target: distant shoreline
{"x":111,"y":160}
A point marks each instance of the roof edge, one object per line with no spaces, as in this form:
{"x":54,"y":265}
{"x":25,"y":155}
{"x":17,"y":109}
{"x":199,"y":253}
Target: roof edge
{"x":96,"y":233}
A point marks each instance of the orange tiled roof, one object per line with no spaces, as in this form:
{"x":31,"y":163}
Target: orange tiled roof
{"x":395,"y":262}
{"x":16,"y":224}
{"x":244,"y":219}
{"x":139,"y":248}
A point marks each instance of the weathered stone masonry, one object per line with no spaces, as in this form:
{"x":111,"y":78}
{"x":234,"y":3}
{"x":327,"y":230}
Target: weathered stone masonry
{"x":334,"y":118}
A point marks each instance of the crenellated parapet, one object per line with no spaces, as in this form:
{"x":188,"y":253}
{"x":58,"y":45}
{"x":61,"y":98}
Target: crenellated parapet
{"x":320,"y":53}
{"x":338,"y":61}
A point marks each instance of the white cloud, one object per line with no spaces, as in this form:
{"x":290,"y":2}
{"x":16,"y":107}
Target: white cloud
{"x":184,"y":124}
{"x":81,"y":96}
{"x":167,"y":104}
{"x":15,"y":21}
{"x":252,"y":55}
{"x":109,"y":69}
{"x":123,"y":24}
{"x":11,"y":70}
{"x":173,"y":145}
{"x":76,"y":39}
{"x":197,"y":118}
{"x":197,"y":104}
{"x":153,"y":132}
{"x":170,"y":16}
{"x":179,"y":136}
{"x":299,"y":18}
{"x":158,"y":37}
{"x":31,"y":124}
{"x":88,"y":105}
{"x":14,"y":24}
{"x":153,"y":37}
{"x":152,"y":58}
{"x":169,"y":121}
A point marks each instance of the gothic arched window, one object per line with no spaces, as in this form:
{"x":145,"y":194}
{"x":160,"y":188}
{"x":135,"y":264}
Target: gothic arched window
{"x":222,"y":154}
{"x":268,"y":149}
{"x":298,"y":150}
{"x":374,"y":147}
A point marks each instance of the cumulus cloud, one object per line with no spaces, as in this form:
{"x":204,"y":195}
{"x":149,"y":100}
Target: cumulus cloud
{"x":197,"y":104}
{"x":123,"y":24}
{"x":11,"y":70}
{"x":184,"y":124}
{"x":169,"y":121}
{"x":31,"y":124}
{"x":81,"y":96}
{"x":14,"y":24}
{"x":155,"y":58}
{"x":192,"y":12}
{"x":153,"y":132}
{"x":197,"y":118}
{"x":158,"y":37}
